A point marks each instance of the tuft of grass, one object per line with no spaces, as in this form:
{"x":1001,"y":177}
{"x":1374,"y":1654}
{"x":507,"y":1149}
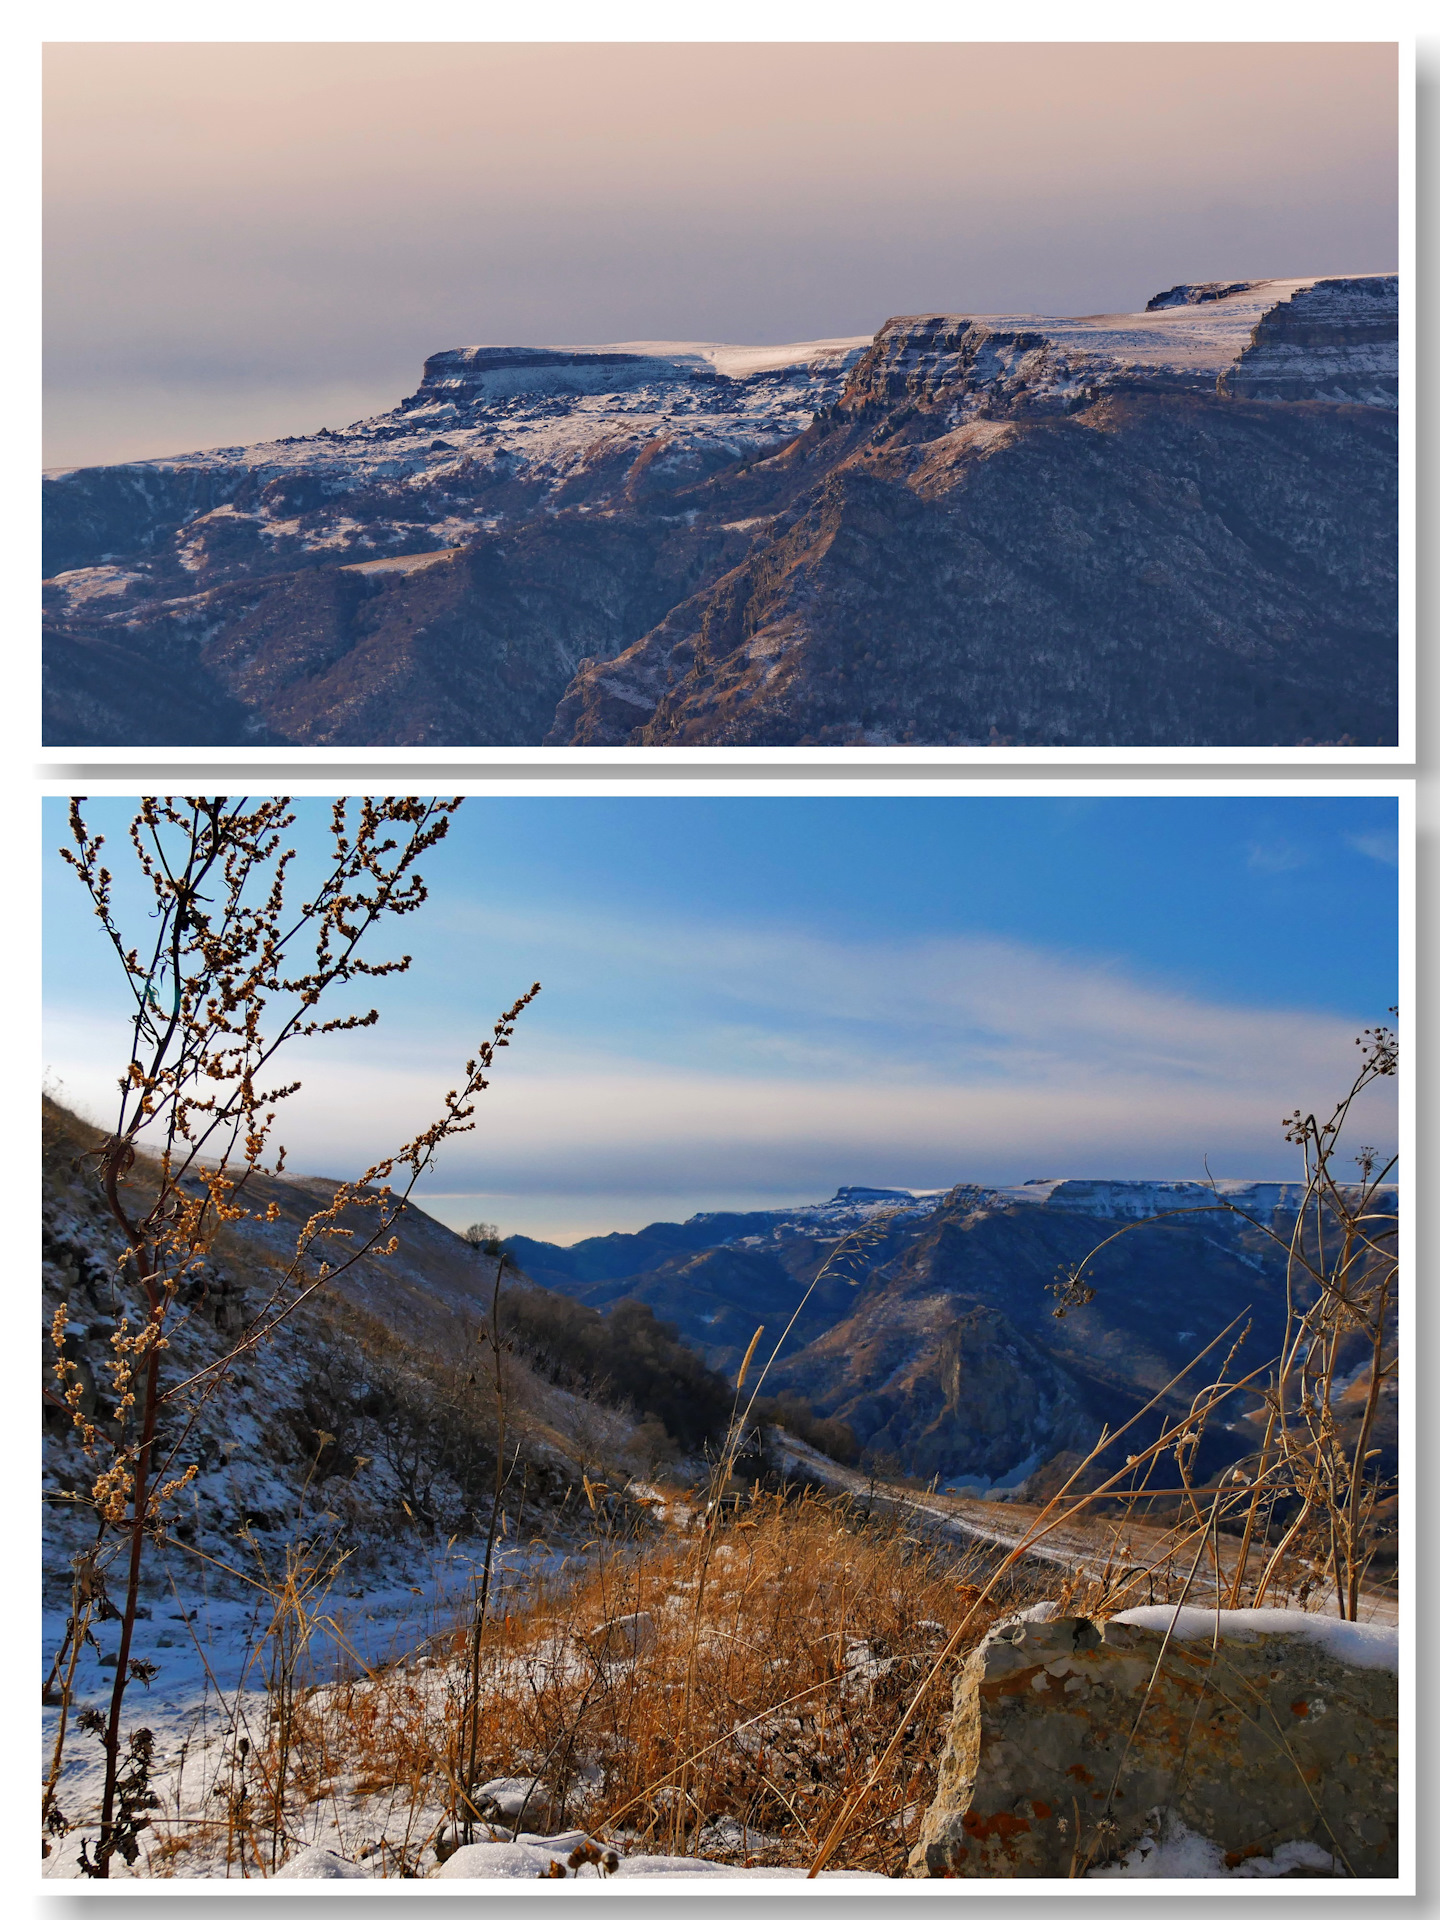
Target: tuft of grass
{"x":733,"y":1726}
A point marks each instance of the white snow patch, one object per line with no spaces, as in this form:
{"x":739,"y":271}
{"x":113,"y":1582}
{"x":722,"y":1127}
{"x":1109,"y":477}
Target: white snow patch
{"x":80,"y":585}
{"x":401,"y":562}
{"x":319,"y":1863}
{"x":1359,"y":1643}
{"x":531,"y":1856}
{"x":1178,"y":1853}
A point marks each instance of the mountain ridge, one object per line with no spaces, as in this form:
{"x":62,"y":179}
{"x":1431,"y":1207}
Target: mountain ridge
{"x":1171,"y":527}
{"x":938,"y":1344}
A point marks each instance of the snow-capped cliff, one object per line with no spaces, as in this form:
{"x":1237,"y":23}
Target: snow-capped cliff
{"x":537,"y":425}
{"x":993,"y":529}
{"x":1319,"y":339}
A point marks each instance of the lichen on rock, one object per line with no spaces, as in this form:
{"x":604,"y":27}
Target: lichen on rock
{"x":1078,"y":1744}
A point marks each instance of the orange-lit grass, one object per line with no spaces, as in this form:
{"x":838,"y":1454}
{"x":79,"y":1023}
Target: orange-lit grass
{"x":814,"y":1623}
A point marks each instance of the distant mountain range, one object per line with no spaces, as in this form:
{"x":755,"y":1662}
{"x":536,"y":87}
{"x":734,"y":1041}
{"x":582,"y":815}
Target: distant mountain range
{"x":1176,"y":527}
{"x":938,"y":1344}
{"x":934,"y":1340}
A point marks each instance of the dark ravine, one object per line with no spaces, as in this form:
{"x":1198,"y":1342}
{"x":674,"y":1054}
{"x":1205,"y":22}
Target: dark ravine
{"x":1176,"y":527}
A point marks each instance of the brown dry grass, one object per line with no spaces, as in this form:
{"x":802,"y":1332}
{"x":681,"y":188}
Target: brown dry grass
{"x":772,"y":1684}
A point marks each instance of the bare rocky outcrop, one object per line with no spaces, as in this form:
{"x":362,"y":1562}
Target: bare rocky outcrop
{"x":1078,"y":1744}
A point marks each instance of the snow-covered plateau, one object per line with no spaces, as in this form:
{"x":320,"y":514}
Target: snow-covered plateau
{"x":968,"y":529}
{"x":853,"y":1207}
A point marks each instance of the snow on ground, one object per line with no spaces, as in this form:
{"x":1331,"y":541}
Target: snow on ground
{"x":532,"y":1856}
{"x":1140,"y":1199}
{"x":1360,"y":1643}
{"x":1204,"y":337}
{"x":82,"y":585}
{"x":209,"y":1694}
{"x":545,"y":415}
{"x":212,"y":1665}
{"x":1178,"y":1853}
{"x":559,"y":1856}
{"x":852,"y":1207}
{"x":402,"y":563}
{"x":1336,"y":345}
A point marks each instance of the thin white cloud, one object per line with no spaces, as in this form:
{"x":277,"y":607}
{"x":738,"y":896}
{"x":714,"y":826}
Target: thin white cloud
{"x":1277,"y":856}
{"x":788,"y":1061}
{"x":1384,"y":847}
{"x":933,"y":1008}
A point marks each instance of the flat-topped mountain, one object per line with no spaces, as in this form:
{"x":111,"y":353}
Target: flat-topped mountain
{"x":1333,"y":340}
{"x":1170,"y":527}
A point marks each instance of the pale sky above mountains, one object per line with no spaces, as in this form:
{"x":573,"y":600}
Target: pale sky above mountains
{"x":247,"y":240}
{"x":749,"y":1002}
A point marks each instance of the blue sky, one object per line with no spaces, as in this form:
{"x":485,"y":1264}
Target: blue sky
{"x":751,"y":1001}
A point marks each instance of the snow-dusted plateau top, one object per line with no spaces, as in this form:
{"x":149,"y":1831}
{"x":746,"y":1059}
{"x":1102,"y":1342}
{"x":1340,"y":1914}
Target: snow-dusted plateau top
{"x":854,"y":1207}
{"x":546,"y":405}
{"x":1323,"y":338}
{"x":498,"y":437}
{"x":1335,"y":338}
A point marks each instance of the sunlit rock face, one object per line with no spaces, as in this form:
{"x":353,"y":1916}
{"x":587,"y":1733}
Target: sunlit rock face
{"x":1334,"y":340}
{"x":1266,"y":1741}
{"x":1174,"y":527}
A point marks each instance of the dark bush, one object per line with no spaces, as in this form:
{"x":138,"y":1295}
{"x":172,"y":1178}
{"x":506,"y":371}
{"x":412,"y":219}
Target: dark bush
{"x":625,"y":1357}
{"x":795,"y":1413}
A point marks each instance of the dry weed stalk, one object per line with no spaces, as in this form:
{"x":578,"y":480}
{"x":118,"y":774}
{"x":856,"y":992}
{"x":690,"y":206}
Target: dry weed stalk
{"x":228,"y":957}
{"x":463,"y":1810}
{"x":1311,"y":1472}
{"x":1338,"y":1296}
{"x":845,"y":1253}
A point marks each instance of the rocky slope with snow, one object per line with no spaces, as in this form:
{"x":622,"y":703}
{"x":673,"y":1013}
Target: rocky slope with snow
{"x":1171,"y":527}
{"x":367,"y":1409}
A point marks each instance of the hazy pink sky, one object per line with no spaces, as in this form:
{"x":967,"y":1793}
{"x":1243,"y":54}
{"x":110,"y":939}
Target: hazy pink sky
{"x":253,"y":239}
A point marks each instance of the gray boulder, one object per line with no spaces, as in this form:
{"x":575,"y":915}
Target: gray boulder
{"x":1076,"y":1745}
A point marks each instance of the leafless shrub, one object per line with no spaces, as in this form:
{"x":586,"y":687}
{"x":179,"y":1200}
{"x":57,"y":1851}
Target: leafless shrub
{"x":230,"y":972}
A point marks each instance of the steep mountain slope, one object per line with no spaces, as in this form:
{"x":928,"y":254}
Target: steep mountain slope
{"x":938,"y":1344}
{"x":1147,"y":570}
{"x":1173,"y":527}
{"x":368,"y":1402}
{"x":433,"y":575}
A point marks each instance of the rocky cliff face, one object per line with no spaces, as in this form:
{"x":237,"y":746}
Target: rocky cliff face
{"x":1145,"y":571}
{"x":1173,"y":527}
